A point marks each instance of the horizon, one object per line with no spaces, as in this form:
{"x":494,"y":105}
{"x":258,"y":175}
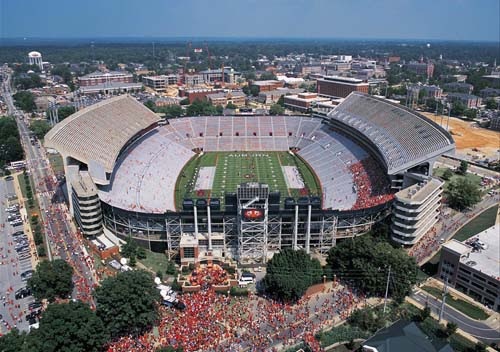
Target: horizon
{"x":443,"y":20}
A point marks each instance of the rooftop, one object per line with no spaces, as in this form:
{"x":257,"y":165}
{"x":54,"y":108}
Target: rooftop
{"x":405,"y":336}
{"x":95,"y":135}
{"x":343,"y":79}
{"x":486,"y":260}
{"x":265,"y":83}
{"x":420,"y":191}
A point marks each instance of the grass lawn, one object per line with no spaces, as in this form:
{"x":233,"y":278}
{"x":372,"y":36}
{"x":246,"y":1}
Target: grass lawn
{"x":22,"y":185}
{"x":56,"y":162}
{"x":465,"y":307}
{"x":440,"y":171}
{"x":483,"y":221}
{"x":155,"y":261}
{"x":234,"y":168}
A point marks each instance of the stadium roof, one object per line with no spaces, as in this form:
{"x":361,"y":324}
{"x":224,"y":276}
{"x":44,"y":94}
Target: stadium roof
{"x":402,"y":137}
{"x":95,"y":135}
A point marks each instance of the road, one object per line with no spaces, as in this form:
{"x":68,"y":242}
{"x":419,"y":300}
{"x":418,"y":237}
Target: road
{"x":478,"y":329}
{"x":60,"y":233}
{"x":12,"y":310}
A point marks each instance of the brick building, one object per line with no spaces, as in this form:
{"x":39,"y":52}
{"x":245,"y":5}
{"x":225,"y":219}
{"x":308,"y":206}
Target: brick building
{"x":336,"y":86}
{"x":267,"y":86}
{"x":98,"y":77}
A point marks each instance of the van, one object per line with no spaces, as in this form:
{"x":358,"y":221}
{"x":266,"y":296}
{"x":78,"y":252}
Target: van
{"x":245,"y":280}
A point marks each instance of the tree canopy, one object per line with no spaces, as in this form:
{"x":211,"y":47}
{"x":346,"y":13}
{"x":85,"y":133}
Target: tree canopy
{"x":69,"y":327}
{"x":462,"y":169}
{"x":65,"y":111}
{"x":14,"y":341}
{"x":40,"y":128}
{"x":462,"y":193}
{"x":203,"y":107}
{"x":25,"y":100}
{"x":364,"y":263}
{"x":289,"y":273}
{"x":51,"y":279}
{"x":10,"y":146}
{"x":276,"y":109}
{"x":128,"y":303}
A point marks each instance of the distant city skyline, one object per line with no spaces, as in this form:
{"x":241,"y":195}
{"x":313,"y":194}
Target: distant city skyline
{"x":322,"y":19}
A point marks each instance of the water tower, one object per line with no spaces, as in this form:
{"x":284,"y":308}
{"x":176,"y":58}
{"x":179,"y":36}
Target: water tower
{"x":35,"y":58}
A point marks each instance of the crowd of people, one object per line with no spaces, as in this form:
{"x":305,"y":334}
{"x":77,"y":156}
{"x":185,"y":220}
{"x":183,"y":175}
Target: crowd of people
{"x":371,"y":185}
{"x":427,"y":245}
{"x":215,"y":322}
{"x":208,"y":275}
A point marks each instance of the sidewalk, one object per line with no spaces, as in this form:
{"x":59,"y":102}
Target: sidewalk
{"x":444,"y":322}
{"x":493,"y":321}
{"x":26,"y":221}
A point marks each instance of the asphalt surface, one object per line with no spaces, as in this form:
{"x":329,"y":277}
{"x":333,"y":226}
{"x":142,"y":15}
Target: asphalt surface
{"x":478,"y":329}
{"x":12,"y":310}
{"x":60,"y":233}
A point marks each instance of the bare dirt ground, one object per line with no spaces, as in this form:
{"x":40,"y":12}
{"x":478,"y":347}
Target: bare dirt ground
{"x":469,"y":137}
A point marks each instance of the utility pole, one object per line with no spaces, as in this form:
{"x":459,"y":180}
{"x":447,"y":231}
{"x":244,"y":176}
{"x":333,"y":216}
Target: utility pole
{"x":445,"y":291}
{"x":387,"y":288}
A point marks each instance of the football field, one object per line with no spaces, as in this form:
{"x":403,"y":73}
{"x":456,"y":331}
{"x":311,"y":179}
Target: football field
{"x":222,"y":172}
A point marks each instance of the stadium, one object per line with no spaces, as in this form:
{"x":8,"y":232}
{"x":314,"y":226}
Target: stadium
{"x":241,"y":186}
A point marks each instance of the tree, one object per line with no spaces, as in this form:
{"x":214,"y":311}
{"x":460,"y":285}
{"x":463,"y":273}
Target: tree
{"x":129,"y":248}
{"x":14,"y":341}
{"x":150,"y":105}
{"x":69,"y":327}
{"x":491,"y":104}
{"x":276,"y":109}
{"x":367,"y":319}
{"x":450,"y":329}
{"x":458,"y":109}
{"x":230,"y":105}
{"x":65,"y":111}
{"x":424,"y":313}
{"x":40,"y":128}
{"x":128,"y":303}
{"x":462,"y":169}
{"x":462,"y":193}
{"x":471,"y":114}
{"x":267,"y":76}
{"x":51,"y":280}
{"x":25,"y":100}
{"x":281,"y":101}
{"x":171,"y":110}
{"x":364,"y":263}
{"x":447,"y":174}
{"x":289,"y":274}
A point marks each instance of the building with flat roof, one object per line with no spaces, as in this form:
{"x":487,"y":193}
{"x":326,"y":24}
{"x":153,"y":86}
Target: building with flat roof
{"x":99,"y":77}
{"x":340,"y":87}
{"x":416,"y":210}
{"x":160,"y":83}
{"x":223,"y":98}
{"x":111,"y":87}
{"x":473,"y":266}
{"x":303,"y":102}
{"x":226,"y":75}
{"x":421,"y":68}
{"x":267,"y":86}
{"x":193,"y":94}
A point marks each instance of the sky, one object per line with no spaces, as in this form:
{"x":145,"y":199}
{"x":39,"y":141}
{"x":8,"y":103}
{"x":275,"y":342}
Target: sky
{"x":476,"y":20}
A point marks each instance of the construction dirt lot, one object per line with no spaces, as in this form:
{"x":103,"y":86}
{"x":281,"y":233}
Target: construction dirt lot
{"x":470,"y":139}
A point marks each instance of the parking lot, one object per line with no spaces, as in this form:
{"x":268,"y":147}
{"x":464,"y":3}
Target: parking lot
{"x":15,"y":264}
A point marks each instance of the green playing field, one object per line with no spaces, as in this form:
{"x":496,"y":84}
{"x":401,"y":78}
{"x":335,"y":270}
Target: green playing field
{"x":234,"y":168}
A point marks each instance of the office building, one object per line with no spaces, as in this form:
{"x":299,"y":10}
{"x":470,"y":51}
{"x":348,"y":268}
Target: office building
{"x":472,"y":266}
{"x":340,"y":87}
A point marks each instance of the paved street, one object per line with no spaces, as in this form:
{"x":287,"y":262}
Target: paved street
{"x":478,"y":329}
{"x":12,"y":310}
{"x":60,"y":232}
